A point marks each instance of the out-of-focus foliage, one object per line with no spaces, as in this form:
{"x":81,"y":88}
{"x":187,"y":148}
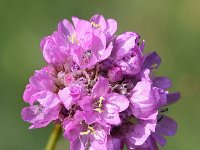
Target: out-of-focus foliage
{"x":171,"y":27}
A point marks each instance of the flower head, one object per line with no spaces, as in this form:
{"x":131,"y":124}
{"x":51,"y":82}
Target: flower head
{"x":100,"y":87}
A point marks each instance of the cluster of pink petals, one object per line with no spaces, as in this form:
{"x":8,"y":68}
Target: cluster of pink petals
{"x":100,"y":88}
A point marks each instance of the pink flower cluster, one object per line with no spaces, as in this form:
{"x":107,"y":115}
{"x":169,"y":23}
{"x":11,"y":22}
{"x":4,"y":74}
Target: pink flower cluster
{"x":101,"y":88}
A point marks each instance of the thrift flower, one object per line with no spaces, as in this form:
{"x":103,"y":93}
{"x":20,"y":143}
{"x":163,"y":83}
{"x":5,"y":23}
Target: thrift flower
{"x":100,"y":88}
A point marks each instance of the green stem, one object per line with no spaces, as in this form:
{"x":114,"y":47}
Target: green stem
{"x":53,"y":137}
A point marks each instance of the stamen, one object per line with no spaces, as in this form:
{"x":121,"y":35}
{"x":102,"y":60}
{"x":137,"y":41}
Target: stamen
{"x":90,"y":130}
{"x":98,"y":110}
{"x":73,"y":38}
{"x":99,"y":104}
{"x":85,"y":133}
{"x":95,"y":25}
{"x":101,"y":99}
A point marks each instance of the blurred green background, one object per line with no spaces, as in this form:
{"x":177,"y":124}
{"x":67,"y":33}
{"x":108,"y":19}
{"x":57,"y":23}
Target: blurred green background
{"x":171,"y":27}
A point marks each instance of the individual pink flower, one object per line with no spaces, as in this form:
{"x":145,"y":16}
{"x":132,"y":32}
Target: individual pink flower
{"x":83,"y":135}
{"x":40,"y":83}
{"x":102,"y":105}
{"x":88,"y":46}
{"x":71,"y":94}
{"x":146,"y":99}
{"x":108,"y":27}
{"x":127,"y":53}
{"x":55,"y":48}
{"x":40,"y":116}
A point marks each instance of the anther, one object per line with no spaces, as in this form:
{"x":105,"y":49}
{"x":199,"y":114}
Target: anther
{"x":73,"y":38}
{"x":95,"y":25}
{"x":98,"y":110}
{"x":85,"y":133}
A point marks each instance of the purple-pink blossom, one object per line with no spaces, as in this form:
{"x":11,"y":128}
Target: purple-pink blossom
{"x":100,"y":87}
{"x":103,"y":106}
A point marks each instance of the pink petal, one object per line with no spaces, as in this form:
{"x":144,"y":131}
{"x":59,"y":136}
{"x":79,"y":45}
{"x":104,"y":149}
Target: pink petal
{"x":152,"y":61}
{"x":65,"y":97}
{"x":161,"y":82}
{"x":167,"y":126}
{"x":48,"y":99}
{"x":119,"y":100}
{"x":66,"y":27}
{"x":173,"y":97}
{"x":100,"y":20}
{"x":101,"y":87}
{"x":111,"y":26}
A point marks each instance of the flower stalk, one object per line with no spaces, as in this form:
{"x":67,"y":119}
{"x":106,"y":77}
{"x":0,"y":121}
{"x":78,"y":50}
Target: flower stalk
{"x":51,"y":144}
